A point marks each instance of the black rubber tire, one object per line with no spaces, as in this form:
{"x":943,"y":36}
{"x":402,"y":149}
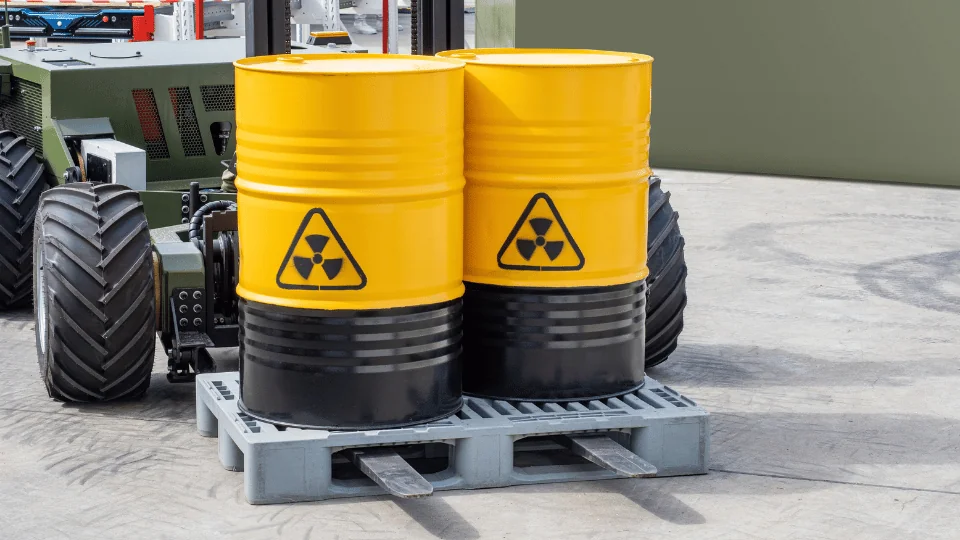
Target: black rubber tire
{"x":94,"y":303}
{"x":667,"y":282}
{"x":21,"y":182}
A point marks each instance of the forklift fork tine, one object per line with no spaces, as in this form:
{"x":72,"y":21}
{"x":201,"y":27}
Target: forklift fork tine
{"x":611,"y":455}
{"x":391,"y":472}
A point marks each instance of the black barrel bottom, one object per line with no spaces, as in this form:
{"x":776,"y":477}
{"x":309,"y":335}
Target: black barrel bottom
{"x":546,"y":344}
{"x":348,"y":370}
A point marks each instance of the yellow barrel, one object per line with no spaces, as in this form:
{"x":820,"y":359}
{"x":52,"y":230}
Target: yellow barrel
{"x":555,"y":214}
{"x":350,"y":200}
{"x":575,"y":126}
{"x":365,"y":150}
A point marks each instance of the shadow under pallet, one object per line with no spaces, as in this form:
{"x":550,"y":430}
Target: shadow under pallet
{"x":653,"y":431}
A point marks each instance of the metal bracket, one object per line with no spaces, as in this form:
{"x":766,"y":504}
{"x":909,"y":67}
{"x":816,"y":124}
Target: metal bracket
{"x":190,"y":341}
{"x":185,"y":26}
{"x":192,"y":201}
{"x":72,"y":175}
{"x":224,"y":332}
{"x":189,"y":315}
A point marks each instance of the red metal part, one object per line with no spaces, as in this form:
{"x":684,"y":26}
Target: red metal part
{"x":198,"y":18}
{"x":144,"y":25}
{"x":386,"y":25}
{"x":99,"y":3}
{"x":149,"y":115}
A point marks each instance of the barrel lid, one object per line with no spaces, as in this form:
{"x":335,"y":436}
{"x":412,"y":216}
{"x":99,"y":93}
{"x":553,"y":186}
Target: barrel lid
{"x":347,"y":64}
{"x":546,"y":57}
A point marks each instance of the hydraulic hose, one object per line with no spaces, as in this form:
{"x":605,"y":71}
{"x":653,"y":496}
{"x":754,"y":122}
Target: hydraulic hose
{"x":196,"y":223}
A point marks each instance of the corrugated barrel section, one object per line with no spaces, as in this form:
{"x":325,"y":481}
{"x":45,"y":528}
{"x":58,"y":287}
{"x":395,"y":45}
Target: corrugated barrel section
{"x":373,"y":368}
{"x":531,"y":343}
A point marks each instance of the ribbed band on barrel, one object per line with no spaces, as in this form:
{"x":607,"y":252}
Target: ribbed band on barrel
{"x":350,"y":369}
{"x":540,"y":344}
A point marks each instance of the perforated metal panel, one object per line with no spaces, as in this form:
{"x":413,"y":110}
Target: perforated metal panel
{"x":218,"y":97}
{"x":149,"y":117}
{"x":287,"y":14}
{"x":186,"y":115}
{"x":22,"y":112}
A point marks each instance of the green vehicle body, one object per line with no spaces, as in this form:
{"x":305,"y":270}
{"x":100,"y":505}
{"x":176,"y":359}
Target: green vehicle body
{"x":174,"y":100}
{"x":163,"y":97}
{"x":56,"y":96}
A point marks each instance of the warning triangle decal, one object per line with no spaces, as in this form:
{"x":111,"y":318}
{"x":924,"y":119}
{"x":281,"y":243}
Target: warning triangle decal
{"x":318,"y":259}
{"x":540,"y":240}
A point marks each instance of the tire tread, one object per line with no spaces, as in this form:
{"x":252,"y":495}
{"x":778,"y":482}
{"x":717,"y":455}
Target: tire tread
{"x":666,"y":283}
{"x":100,"y":293}
{"x":21,"y":175}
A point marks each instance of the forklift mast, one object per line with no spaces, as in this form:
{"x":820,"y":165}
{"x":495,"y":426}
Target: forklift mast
{"x":267,"y":27}
{"x":437,"y":25}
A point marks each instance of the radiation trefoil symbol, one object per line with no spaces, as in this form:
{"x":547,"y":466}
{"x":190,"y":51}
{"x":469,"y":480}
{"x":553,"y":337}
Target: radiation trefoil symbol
{"x":540,"y":240}
{"x":318,"y":259}
{"x":304,"y":265}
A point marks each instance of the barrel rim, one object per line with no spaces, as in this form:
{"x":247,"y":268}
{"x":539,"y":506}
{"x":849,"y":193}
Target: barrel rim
{"x":469,"y":56}
{"x":262,"y":64}
{"x":352,"y":427}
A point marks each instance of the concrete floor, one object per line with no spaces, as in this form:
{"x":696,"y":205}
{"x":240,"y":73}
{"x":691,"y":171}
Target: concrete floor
{"x":821,"y":333}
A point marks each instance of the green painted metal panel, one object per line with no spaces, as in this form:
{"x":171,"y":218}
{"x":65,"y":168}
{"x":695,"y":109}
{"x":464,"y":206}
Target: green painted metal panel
{"x":98,"y":80}
{"x":853,"y":89}
{"x":164,"y":208}
{"x":182,"y":266}
{"x":109,"y":92}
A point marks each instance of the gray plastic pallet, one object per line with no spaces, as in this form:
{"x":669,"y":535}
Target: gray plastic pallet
{"x":651,"y":432}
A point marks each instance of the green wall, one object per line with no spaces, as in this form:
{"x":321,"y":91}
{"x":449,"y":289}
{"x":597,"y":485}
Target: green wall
{"x":854,"y":89}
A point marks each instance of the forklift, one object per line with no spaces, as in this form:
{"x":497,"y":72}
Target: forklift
{"x":118,"y":217}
